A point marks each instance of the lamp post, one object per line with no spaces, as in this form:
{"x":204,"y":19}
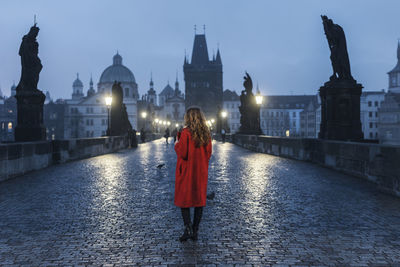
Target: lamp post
{"x":259,"y":101}
{"x":224,"y":116}
{"x":108,"y":100}
{"x":144,"y":115}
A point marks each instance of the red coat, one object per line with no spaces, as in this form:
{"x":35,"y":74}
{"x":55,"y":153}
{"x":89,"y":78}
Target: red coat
{"x":191,"y":173}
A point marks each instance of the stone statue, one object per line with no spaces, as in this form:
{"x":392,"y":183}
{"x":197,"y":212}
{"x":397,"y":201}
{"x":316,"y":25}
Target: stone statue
{"x":29,"y":98}
{"x":249,"y":110}
{"x":31,"y":65}
{"x":337,"y":44}
{"x":119,"y":122}
{"x":340,"y":96}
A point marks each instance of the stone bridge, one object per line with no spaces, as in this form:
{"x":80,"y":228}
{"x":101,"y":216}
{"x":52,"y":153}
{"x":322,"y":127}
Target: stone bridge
{"x":117,"y":210}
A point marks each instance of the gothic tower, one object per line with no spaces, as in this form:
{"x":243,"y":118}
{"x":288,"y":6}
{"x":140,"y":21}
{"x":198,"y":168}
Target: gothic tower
{"x":203,"y":79}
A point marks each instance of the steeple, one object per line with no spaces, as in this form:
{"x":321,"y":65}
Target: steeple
{"x":218,"y":59}
{"x":91,"y":90}
{"x":151,"y":95}
{"x":176,"y":82}
{"x":151,"y":81}
{"x":398,"y":50}
{"x":200,"y":51}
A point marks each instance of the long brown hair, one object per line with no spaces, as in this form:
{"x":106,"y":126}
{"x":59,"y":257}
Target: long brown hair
{"x":195,"y":121}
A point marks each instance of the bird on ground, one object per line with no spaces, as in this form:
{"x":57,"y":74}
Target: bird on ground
{"x":211,"y":196}
{"x":160,"y":165}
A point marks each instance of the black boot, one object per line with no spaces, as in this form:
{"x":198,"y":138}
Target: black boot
{"x":188,"y":233}
{"x":188,"y":225}
{"x":198,"y":212}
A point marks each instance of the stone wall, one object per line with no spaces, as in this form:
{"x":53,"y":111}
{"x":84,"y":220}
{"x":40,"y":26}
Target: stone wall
{"x":19,"y":158}
{"x":377,"y":163}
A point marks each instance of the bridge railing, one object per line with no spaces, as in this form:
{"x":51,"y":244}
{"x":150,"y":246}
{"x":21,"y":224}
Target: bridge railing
{"x":19,"y":158}
{"x":377,"y":163}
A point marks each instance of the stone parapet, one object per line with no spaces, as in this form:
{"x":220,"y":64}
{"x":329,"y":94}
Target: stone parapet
{"x":377,"y":163}
{"x":19,"y":158}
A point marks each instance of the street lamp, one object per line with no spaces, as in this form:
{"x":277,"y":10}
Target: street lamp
{"x":144,"y":115}
{"x":224,"y":114}
{"x":177,"y":125}
{"x":259,"y":99}
{"x":108,"y":100}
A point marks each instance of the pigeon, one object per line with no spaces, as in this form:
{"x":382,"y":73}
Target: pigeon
{"x":160,"y":165}
{"x":211,"y":196}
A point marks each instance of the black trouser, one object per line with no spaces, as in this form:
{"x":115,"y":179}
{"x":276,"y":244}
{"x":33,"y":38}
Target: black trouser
{"x":198,"y":212}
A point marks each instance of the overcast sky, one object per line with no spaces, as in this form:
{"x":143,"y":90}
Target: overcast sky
{"x":280,"y":43}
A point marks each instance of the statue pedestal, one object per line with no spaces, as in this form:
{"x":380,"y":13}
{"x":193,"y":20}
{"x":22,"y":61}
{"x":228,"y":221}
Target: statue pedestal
{"x":340,"y":110}
{"x":30,"y":116}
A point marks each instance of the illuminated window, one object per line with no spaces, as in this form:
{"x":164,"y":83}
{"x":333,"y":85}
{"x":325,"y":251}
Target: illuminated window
{"x":10,"y":126}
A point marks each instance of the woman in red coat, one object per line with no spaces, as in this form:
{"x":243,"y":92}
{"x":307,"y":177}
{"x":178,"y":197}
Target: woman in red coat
{"x":194,"y":151}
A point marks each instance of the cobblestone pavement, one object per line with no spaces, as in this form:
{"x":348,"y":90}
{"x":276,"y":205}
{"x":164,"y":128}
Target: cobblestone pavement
{"x":117,"y":210}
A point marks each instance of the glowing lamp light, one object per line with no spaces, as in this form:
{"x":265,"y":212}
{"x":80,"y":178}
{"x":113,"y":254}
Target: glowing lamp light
{"x":108,"y":100}
{"x":156,"y":120}
{"x":259,"y":99}
{"x":168,"y":123}
{"x":177,"y":125}
{"x":212,"y":120}
{"x":144,"y":115}
{"x":287,"y":133}
{"x":224,"y":114}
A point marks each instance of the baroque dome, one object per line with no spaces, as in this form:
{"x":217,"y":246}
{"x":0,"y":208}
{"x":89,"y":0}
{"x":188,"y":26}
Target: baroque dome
{"x":77,"y":82}
{"x":117,"y":72}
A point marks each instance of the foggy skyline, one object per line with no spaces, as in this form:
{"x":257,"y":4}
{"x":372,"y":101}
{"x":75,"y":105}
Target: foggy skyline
{"x":282,"y":45}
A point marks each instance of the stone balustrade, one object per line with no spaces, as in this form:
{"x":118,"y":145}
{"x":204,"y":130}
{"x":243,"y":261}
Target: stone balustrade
{"x":19,"y":158}
{"x":377,"y":163}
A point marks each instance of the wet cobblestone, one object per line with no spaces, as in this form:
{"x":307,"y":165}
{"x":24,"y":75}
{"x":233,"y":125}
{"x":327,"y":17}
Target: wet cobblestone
{"x":117,"y":210}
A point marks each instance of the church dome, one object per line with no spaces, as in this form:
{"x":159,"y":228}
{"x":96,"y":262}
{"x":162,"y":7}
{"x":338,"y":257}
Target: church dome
{"x":117,"y":72}
{"x":77,"y":82}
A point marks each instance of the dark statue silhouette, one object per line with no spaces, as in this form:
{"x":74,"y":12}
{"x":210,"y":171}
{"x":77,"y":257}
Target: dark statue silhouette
{"x":29,"y":98}
{"x":249,"y":110}
{"x":119,"y":122}
{"x":340,"y":96}
{"x":337,"y":44}
{"x":30,"y":62}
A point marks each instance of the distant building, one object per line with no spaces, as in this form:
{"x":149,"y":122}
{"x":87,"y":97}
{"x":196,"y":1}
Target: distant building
{"x":281,"y":115}
{"x":309,"y":119}
{"x":172,"y":105}
{"x":231,"y":106}
{"x":370,"y":102}
{"x":53,"y":119}
{"x":203,"y":78}
{"x":389,"y":111}
{"x":8,"y":116}
{"x":87,"y":116}
{"x":170,"y":108}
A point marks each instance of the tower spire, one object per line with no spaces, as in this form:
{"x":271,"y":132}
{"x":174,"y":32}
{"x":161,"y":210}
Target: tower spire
{"x":218,"y":59}
{"x":151,"y":80}
{"x":398,"y":49}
